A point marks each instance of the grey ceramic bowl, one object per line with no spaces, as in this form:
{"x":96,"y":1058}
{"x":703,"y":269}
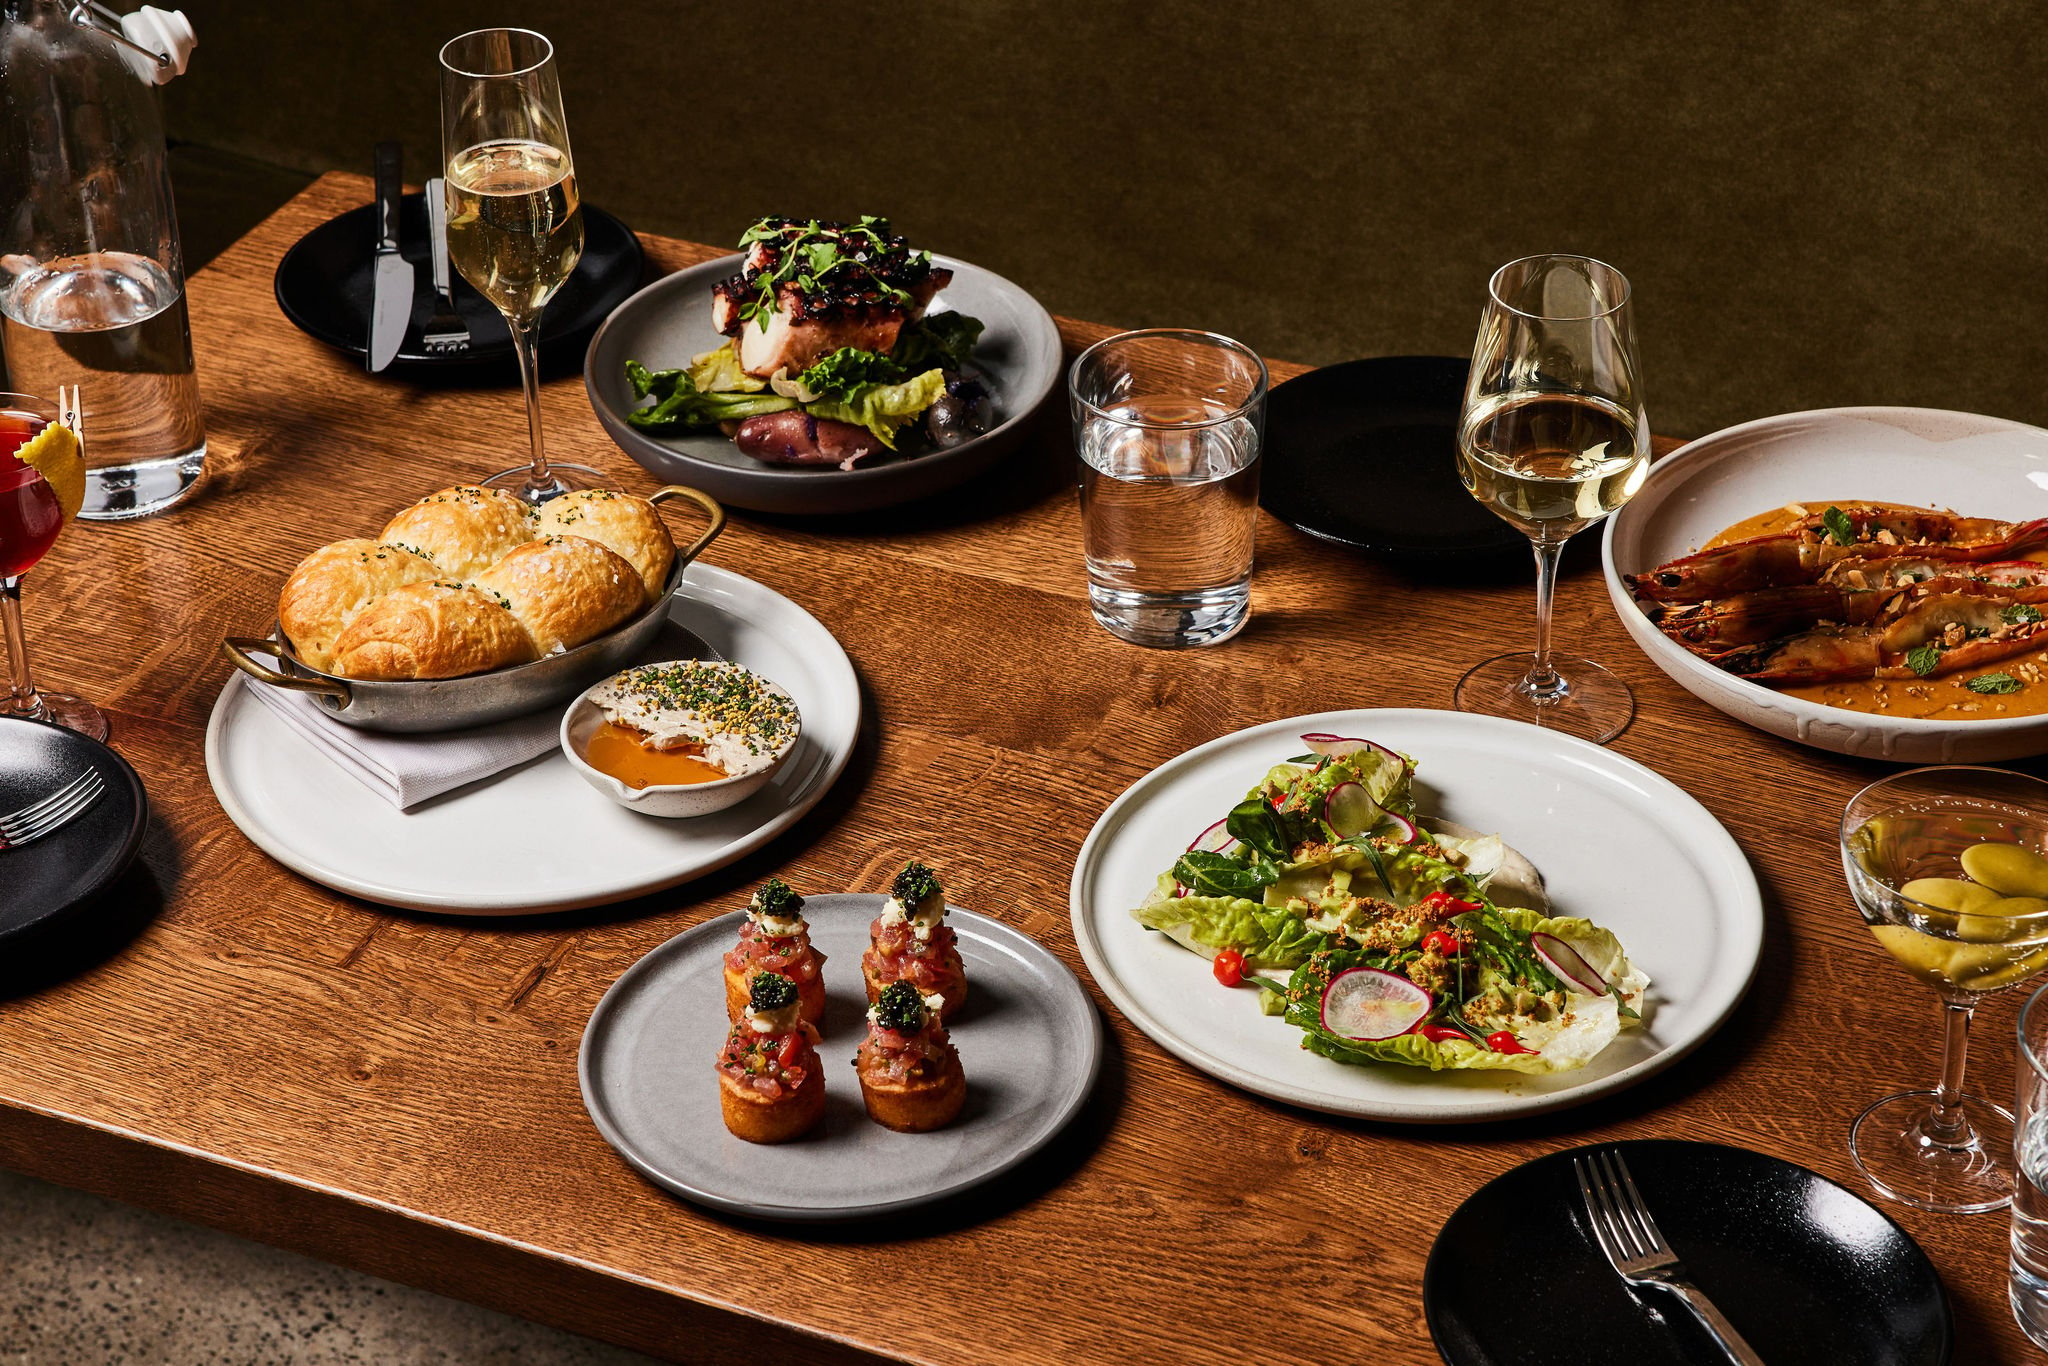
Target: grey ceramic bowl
{"x":670,"y":321}
{"x":671,"y":800}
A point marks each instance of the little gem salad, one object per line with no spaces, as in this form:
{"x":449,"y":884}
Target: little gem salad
{"x":1430,"y":947}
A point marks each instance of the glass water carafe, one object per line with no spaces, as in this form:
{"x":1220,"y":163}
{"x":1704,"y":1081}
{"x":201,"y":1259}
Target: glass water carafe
{"x":92,"y":284}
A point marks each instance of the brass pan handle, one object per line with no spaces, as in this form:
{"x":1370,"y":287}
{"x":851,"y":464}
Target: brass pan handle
{"x":703,"y":500}
{"x":241,"y":652}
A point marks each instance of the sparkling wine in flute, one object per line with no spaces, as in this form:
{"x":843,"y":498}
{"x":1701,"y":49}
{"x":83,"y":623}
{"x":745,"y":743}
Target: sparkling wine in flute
{"x":1551,"y":464}
{"x":515,"y":229}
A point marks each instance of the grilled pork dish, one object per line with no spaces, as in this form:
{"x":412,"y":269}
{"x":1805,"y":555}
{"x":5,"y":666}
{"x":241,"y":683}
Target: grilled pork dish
{"x":814,"y":288}
{"x":831,"y":357}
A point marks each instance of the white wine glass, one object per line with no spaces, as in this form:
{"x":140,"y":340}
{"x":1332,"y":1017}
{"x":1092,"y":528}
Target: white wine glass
{"x":1552,"y":438}
{"x":1949,"y":868}
{"x":515,"y":224}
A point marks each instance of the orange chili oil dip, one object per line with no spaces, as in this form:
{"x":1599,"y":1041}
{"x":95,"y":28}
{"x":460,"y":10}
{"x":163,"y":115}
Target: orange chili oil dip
{"x":621,"y":752}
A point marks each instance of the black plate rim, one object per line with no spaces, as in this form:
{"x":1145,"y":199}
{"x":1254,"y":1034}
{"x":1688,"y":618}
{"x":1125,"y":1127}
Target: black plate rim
{"x":138,"y":821}
{"x":1432,"y":1288}
{"x":489,"y":354}
{"x":1507,"y":541}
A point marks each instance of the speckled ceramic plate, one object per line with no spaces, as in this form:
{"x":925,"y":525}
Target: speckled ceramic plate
{"x":668,"y":322}
{"x":1029,"y":1040}
{"x":1980,"y":466}
{"x":1806,"y":1270}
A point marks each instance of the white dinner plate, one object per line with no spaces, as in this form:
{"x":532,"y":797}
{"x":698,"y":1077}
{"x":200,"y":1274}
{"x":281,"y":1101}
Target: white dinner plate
{"x":1615,"y":843}
{"x":1028,"y":1037}
{"x":538,"y":838}
{"x":1979,"y":466}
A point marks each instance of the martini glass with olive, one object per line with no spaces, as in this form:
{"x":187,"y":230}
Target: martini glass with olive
{"x":1949,"y":867}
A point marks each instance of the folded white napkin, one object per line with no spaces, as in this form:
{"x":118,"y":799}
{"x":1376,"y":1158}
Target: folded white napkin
{"x":408,"y":769}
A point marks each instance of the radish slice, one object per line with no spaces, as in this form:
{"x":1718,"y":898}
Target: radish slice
{"x":1350,"y":810}
{"x":1338,"y":746}
{"x":1369,"y":1003}
{"x":1214,"y":840}
{"x":1566,"y":964}
{"x":1405,"y":831}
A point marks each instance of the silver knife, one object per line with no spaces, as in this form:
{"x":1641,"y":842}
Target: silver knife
{"x":437,"y":237}
{"x":391,"y":299}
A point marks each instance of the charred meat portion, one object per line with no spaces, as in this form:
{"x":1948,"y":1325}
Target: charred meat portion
{"x":809,"y":287}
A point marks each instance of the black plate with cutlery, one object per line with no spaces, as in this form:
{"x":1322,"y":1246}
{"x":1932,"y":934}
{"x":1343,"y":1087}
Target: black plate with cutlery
{"x":1806,"y":1270}
{"x":63,"y":870}
{"x":1365,"y":454}
{"x":324,"y":282}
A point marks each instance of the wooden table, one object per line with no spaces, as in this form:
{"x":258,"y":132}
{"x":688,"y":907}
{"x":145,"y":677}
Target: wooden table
{"x":398,"y":1092}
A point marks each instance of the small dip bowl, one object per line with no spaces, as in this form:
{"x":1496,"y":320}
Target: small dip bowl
{"x":673,"y":800}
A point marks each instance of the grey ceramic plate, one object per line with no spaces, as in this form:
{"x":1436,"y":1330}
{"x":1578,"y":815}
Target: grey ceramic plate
{"x":670,"y":321}
{"x":1028,"y":1037}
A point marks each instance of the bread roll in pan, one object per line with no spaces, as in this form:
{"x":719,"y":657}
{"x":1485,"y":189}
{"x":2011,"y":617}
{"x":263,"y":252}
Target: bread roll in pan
{"x":430,"y":704}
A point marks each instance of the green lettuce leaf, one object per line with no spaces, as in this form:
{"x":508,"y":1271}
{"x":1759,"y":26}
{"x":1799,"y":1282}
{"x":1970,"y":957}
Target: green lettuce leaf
{"x":882,"y":408}
{"x":941,"y":341}
{"x":681,"y":403}
{"x":1266,"y":936}
{"x":717,"y":371}
{"x":841,"y":376}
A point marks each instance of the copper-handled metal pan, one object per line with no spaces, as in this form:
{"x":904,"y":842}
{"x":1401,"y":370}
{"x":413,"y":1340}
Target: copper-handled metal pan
{"x":430,"y":704}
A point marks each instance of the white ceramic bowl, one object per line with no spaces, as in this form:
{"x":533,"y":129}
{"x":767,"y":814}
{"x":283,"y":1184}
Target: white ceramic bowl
{"x":672,"y":800}
{"x":1979,"y":466}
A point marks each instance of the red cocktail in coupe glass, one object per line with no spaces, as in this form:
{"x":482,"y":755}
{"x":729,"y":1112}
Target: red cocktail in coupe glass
{"x":30,"y":518}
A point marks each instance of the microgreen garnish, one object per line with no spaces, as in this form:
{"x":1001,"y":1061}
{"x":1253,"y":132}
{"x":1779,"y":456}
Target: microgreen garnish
{"x":2020,"y":614}
{"x":816,"y":256}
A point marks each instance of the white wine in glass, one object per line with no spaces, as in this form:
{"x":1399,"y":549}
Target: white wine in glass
{"x":1552,"y":438}
{"x":514,"y":230}
{"x":515,"y":223}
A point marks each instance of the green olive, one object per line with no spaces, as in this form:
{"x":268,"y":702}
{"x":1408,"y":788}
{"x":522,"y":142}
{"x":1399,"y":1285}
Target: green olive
{"x":2009,"y":869}
{"x":1949,"y":893}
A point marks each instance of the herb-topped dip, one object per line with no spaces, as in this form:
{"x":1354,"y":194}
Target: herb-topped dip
{"x":716,"y":716}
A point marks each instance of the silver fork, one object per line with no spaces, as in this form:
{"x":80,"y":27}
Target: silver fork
{"x":1637,"y":1250}
{"x":51,"y":813}
{"x":445,"y":334}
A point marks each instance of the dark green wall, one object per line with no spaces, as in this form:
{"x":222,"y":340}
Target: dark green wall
{"x":1817,"y":204}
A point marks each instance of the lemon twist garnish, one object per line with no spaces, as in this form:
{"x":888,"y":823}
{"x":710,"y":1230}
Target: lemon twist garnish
{"x":55,"y":454}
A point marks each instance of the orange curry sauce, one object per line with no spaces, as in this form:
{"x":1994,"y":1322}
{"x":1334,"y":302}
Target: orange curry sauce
{"x":617,"y":750}
{"x":1935,"y":699}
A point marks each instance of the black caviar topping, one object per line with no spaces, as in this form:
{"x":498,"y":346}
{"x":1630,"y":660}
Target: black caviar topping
{"x":900,"y":1008}
{"x":779,"y":899}
{"x":769,"y":992}
{"x":914,"y":884}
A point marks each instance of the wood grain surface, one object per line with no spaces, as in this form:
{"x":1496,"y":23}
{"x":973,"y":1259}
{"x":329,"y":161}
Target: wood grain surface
{"x":239,"y":1046}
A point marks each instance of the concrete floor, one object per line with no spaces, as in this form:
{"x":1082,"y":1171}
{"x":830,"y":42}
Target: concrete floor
{"x":91,"y":1282}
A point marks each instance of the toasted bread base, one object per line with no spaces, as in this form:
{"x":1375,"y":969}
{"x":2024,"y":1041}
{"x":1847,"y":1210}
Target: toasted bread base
{"x":915,"y":1107}
{"x":810,"y":998}
{"x":755,"y":1118}
{"x":952,"y":1000}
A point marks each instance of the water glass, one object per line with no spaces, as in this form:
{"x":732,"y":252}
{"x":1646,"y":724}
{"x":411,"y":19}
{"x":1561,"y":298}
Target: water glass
{"x":92,"y":281}
{"x":1168,"y":426}
{"x":2027,"y":1286}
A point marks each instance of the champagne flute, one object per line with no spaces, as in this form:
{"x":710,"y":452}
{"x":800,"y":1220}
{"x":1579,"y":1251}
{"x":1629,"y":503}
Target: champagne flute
{"x":30,"y":518}
{"x":515,"y":225}
{"x":1947,"y":867}
{"x":1552,"y":438}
